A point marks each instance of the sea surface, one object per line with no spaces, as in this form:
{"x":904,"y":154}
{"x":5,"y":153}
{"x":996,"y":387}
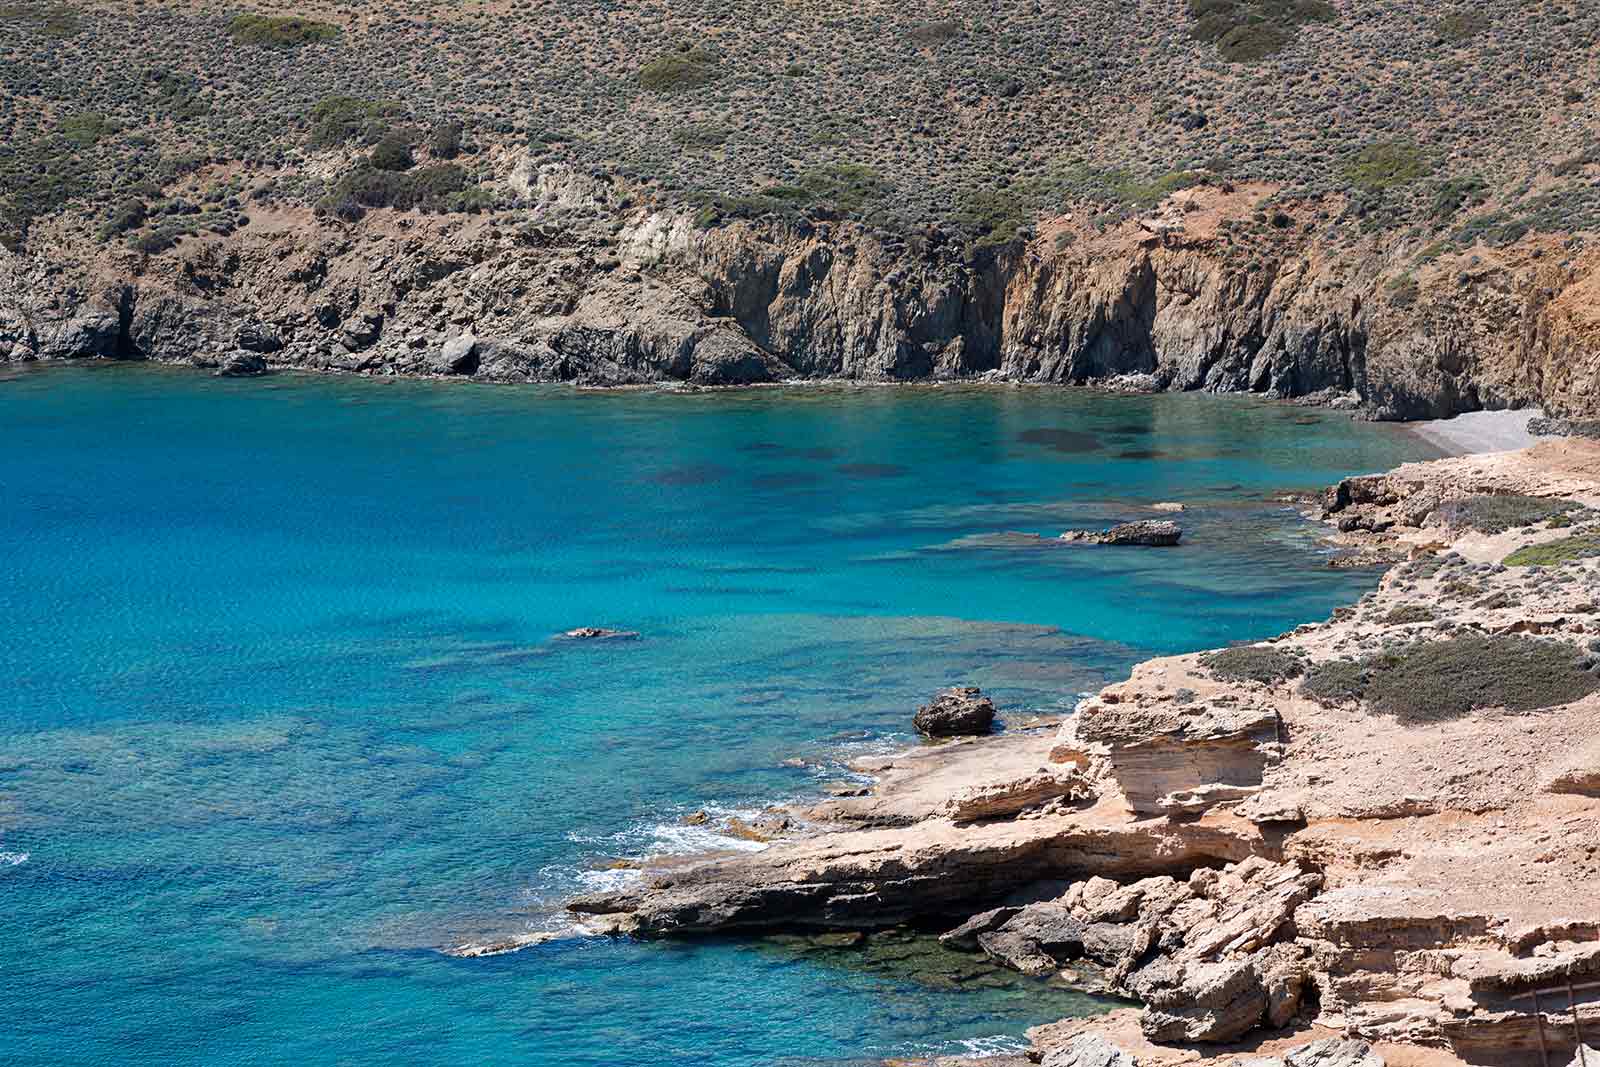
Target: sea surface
{"x":282,"y":711}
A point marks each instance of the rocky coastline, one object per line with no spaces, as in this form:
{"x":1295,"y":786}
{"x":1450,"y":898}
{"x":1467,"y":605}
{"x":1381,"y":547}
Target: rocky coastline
{"x":1370,"y":840}
{"x":584,"y":283}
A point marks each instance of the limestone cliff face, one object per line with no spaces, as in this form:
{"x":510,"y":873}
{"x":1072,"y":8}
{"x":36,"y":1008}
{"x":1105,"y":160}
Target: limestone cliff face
{"x":591,"y":290}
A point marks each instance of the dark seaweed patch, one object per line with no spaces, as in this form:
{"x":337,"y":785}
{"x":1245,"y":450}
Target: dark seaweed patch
{"x":1060,"y":440}
{"x":872,"y":470}
{"x":785,"y":480}
{"x":696,"y":474}
{"x":1142,"y":453}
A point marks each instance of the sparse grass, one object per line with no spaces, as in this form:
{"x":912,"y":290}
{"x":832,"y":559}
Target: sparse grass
{"x":1498,"y":512}
{"x":279,"y":31}
{"x":1256,"y":663}
{"x":1555,"y":553}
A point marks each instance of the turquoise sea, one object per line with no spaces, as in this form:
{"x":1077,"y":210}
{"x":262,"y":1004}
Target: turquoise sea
{"x":282,"y":712}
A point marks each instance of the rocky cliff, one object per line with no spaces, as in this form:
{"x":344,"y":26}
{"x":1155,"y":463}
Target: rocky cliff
{"x":581,"y":284}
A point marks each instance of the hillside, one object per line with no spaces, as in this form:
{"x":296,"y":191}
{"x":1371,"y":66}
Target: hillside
{"x":1410,"y":154}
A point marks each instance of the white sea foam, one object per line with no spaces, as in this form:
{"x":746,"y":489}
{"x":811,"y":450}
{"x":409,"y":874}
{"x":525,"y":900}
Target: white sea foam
{"x":13,"y":859}
{"x":967,"y":1048}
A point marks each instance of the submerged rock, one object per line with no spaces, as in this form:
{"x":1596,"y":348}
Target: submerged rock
{"x":1155,"y":533}
{"x":962,"y":711}
{"x":600,"y":633}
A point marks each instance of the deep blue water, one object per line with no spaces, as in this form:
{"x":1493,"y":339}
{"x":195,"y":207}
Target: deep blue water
{"x":282,"y":714}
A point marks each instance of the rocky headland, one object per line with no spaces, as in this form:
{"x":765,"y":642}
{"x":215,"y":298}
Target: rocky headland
{"x":1370,"y":840}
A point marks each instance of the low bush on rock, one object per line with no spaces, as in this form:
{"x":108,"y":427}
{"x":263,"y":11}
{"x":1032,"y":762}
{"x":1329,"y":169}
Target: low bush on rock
{"x":1340,"y":681}
{"x":1554,"y":553}
{"x":1408,"y":613}
{"x":439,"y":187}
{"x":1499,"y":512}
{"x":1255,"y":663}
{"x":1436,"y":681}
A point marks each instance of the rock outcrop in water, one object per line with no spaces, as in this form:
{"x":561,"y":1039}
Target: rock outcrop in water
{"x":1377,"y":827}
{"x":962,"y":711}
{"x":616,"y":294}
{"x":1150,"y":533}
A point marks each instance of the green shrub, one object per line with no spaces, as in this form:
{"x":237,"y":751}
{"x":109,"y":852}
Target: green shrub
{"x":279,"y":31}
{"x":1408,"y":613}
{"x":437,"y":187}
{"x":1386,"y":164}
{"x":1340,"y":681}
{"x":1555,"y":553}
{"x":702,"y":135}
{"x":392,"y":152}
{"x":1252,"y":41}
{"x":336,"y":120}
{"x":687,"y":68}
{"x":1402,"y":291}
{"x":928,"y":34}
{"x":46,"y":20}
{"x":126,"y":215}
{"x":85,"y":128}
{"x":1456,"y":193}
{"x":1257,"y":663}
{"x":1494,"y":513}
{"x":1459,"y":27}
{"x":1436,"y":681}
{"x":444,"y":140}
{"x":1246,"y":31}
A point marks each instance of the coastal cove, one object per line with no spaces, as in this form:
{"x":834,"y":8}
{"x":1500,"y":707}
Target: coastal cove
{"x":291,"y":714}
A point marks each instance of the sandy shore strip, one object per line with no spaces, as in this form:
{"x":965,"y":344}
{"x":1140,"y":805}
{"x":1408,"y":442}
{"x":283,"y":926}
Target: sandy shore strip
{"x":1479,"y":431}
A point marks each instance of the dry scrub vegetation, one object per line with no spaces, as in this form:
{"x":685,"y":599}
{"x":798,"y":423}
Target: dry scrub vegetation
{"x":1460,"y":121}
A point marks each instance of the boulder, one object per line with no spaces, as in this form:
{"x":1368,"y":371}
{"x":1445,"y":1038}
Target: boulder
{"x":1088,"y":1050}
{"x":458,"y":356}
{"x":964,"y":938}
{"x":258,"y":337}
{"x":1221,"y":1000}
{"x":242,"y":365}
{"x":1333,"y":1052}
{"x":962,"y":711}
{"x":1153,"y":533}
{"x":1035,"y":940}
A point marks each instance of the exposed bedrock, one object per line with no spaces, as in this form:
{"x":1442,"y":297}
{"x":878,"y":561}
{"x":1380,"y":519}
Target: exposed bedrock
{"x":612,"y":295}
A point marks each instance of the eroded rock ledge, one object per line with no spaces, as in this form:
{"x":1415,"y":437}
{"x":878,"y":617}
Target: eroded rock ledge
{"x":1364,"y":841}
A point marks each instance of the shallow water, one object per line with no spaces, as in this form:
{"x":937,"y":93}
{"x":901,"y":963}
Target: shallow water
{"x":284,"y":713}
